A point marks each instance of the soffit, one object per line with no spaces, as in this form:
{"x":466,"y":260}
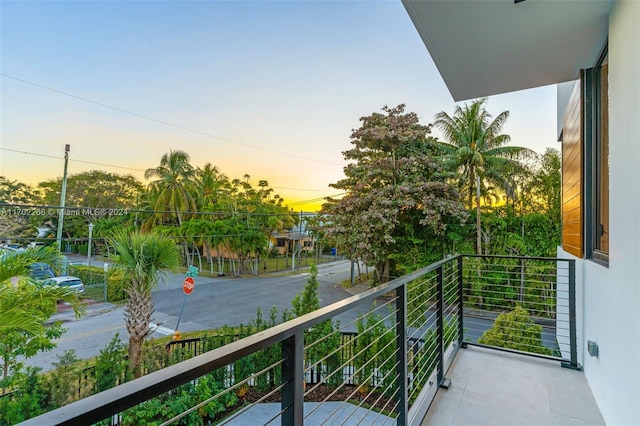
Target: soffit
{"x":486,"y":47}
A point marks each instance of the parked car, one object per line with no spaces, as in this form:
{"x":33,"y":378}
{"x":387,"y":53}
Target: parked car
{"x":42,"y":271}
{"x":67,"y":281}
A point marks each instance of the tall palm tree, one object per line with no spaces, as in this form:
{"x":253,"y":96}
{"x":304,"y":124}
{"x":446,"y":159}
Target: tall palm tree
{"x":143,"y":258}
{"x":174,"y":186}
{"x":477,"y":148}
{"x":209,"y":183}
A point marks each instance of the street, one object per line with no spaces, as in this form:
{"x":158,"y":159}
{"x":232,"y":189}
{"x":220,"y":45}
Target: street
{"x":214,"y":302}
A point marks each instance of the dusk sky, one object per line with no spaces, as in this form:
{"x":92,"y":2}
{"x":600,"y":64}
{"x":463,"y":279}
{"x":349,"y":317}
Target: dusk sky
{"x":268,"y":88}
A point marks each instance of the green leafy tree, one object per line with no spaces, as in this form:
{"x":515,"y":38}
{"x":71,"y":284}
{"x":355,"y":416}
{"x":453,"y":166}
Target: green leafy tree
{"x":106,"y":196}
{"x":515,"y":330}
{"x":477,"y":149}
{"x":393,"y":189}
{"x":13,"y":192}
{"x":94,"y":188}
{"x":321,"y":340}
{"x":143,"y":258}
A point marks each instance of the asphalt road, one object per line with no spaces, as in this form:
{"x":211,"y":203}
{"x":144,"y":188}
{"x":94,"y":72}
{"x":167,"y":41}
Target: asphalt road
{"x":219,"y":301}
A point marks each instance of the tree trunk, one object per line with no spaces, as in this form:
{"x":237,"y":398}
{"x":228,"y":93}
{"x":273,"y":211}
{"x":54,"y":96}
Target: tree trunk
{"x":478,"y":224}
{"x":135,"y":357}
{"x":137,"y":316}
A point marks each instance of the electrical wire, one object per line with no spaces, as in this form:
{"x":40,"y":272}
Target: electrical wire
{"x":130,"y":168}
{"x":163,"y":122}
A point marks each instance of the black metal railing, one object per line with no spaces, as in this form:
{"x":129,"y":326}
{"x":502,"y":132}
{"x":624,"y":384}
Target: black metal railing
{"x":374,"y":358}
{"x":521,"y":304}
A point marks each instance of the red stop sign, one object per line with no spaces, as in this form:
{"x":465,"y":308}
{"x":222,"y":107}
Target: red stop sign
{"x":188,"y":285}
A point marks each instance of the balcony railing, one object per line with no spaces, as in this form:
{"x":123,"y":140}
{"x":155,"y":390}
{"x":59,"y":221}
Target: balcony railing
{"x":401,"y":339}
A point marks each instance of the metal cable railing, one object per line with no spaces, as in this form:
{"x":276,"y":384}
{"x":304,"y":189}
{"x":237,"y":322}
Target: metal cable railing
{"x":521,"y":304}
{"x":387,"y":372}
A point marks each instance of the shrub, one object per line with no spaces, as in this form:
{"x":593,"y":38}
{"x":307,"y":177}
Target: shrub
{"x":111,"y":365}
{"x":95,"y":275}
{"x":27,"y":401}
{"x":515,"y":330}
{"x":63,"y":383}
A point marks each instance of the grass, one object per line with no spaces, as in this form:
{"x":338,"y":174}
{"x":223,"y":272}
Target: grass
{"x":359,"y":280}
{"x":266,"y":266}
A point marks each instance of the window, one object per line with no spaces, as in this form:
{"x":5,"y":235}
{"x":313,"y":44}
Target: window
{"x":596,"y":138}
{"x":585,"y":166}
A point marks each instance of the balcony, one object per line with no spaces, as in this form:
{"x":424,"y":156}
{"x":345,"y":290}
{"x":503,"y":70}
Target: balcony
{"x":498,"y":388}
{"x":514,"y":316}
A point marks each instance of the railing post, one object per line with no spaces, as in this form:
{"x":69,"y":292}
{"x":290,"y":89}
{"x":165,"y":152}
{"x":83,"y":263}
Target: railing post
{"x":573,"y":337}
{"x":521,"y":298}
{"x":401,"y":355}
{"x":293,"y":379}
{"x":460,"y":304}
{"x":440,"y":324}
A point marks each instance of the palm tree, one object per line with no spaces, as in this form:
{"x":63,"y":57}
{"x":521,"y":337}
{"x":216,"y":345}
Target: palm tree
{"x":143,"y":258}
{"x":14,"y":276}
{"x":174,"y":186}
{"x":478,"y":150}
{"x":26,"y":304}
{"x":209,"y":183}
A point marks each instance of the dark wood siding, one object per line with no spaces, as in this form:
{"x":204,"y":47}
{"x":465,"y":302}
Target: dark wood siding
{"x":572,"y":176}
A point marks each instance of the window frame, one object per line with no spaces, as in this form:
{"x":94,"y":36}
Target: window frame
{"x":596,"y":167}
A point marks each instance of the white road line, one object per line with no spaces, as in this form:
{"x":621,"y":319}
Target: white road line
{"x":160,"y":329}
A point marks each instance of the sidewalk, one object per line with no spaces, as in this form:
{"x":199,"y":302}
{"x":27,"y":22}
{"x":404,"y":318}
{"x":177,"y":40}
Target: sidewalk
{"x":66,"y":314}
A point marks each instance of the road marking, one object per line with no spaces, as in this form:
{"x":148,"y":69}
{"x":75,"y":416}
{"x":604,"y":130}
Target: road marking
{"x":160,"y":329}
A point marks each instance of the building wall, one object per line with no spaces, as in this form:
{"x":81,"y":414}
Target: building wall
{"x":610,"y":297}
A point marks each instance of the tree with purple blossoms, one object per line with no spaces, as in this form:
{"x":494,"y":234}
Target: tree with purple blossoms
{"x":397,"y":198}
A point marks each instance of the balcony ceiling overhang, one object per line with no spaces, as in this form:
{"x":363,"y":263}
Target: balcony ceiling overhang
{"x":487,"y":47}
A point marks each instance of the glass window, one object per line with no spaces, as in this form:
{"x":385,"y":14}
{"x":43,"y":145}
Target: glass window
{"x":596,"y":135}
{"x":602,"y":165}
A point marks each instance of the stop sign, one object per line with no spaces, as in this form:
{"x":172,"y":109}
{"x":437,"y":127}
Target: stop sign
{"x":188,"y":285}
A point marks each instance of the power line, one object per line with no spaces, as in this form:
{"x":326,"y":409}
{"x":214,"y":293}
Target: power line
{"x":129,"y":168}
{"x":166,"y":123}
{"x":315,"y":200}
{"x":75,"y":161}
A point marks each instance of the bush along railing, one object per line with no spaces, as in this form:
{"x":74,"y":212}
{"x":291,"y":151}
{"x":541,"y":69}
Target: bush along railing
{"x":522,"y":305}
{"x":374,"y":358}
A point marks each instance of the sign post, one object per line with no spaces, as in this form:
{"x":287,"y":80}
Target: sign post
{"x":188,"y":285}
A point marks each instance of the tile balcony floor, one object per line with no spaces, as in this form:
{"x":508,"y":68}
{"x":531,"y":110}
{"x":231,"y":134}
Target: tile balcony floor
{"x":496,"y":388}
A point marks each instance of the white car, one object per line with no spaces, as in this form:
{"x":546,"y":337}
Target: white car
{"x":67,"y":281}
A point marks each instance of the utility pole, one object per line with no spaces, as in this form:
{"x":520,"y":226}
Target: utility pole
{"x":63,"y":196}
{"x":300,"y":239}
{"x":293,"y":250}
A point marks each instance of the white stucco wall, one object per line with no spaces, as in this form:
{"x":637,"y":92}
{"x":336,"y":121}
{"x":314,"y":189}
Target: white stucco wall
{"x":610,"y":297}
